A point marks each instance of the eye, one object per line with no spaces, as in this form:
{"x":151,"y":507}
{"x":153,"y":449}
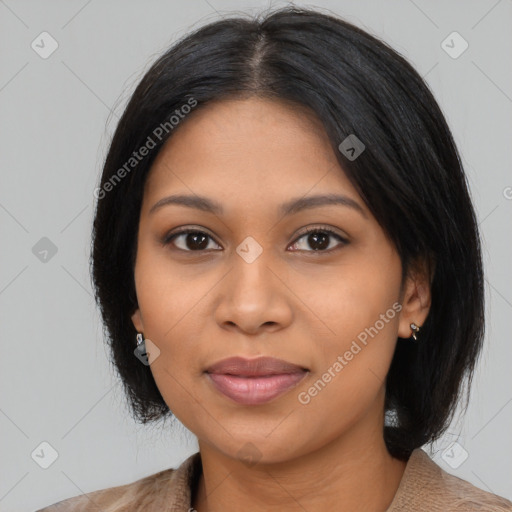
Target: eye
{"x":190,"y":240}
{"x":194,"y":240}
{"x":319,"y":239}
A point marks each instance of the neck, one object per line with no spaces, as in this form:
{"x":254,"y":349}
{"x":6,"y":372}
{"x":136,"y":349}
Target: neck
{"x":352,"y":472}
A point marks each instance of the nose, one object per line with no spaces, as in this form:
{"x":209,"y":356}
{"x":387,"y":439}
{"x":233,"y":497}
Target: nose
{"x":253,"y":298}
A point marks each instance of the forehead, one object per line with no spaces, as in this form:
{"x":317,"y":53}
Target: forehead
{"x":254,"y":147}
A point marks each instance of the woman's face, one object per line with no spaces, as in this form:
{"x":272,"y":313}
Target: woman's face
{"x":252,"y":283}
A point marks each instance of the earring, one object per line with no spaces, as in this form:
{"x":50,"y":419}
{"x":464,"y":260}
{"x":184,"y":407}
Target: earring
{"x":140,"y":350}
{"x":415,"y":330}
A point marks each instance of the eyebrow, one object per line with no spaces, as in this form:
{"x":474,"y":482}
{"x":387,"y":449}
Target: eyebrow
{"x":289,"y":208}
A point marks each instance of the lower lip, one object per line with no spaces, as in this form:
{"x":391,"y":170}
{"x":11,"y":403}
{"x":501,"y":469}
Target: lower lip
{"x":255,"y":390}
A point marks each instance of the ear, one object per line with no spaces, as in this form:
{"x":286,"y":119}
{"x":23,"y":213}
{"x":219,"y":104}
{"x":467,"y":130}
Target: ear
{"x":137,"y":320}
{"x":416,"y":298}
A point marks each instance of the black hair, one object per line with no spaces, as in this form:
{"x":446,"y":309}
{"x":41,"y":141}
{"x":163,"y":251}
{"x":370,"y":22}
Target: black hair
{"x":410,"y":176}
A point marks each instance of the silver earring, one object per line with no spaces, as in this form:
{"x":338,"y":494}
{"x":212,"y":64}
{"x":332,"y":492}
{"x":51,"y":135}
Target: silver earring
{"x":140,"y":350}
{"x":415,"y":331}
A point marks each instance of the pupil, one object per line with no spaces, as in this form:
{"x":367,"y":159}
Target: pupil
{"x":195,"y":244}
{"x":314,"y":238}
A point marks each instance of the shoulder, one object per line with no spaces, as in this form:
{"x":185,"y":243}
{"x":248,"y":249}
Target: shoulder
{"x":152,"y":493}
{"x":427,"y":486}
{"x":466,"y":497}
{"x":113,"y":498}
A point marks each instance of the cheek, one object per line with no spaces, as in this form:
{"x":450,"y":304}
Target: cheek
{"x":168,"y":304}
{"x":351,"y":298}
{"x":360,"y":315}
{"x":166,"y":293}
{"x":351,"y":364}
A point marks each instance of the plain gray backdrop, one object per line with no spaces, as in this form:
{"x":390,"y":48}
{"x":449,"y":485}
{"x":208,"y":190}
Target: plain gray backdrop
{"x":58,"y":111}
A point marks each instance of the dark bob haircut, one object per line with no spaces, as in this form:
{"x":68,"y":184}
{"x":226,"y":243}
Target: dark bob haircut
{"x":410,"y":176}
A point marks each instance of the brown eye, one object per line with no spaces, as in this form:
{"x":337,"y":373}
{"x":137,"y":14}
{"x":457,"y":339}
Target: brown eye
{"x":318,"y":239}
{"x":190,"y":240}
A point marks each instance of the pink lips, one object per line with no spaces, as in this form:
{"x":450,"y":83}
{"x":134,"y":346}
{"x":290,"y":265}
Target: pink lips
{"x":254,"y":381}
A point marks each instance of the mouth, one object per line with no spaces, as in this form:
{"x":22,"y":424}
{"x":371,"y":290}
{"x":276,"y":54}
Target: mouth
{"x":254,"y":381}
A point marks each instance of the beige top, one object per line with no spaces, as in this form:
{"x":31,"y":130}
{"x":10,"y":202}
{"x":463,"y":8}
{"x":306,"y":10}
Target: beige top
{"x":425,"y":487}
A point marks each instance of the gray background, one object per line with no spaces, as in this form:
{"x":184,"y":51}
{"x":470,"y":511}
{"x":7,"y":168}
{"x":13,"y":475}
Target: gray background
{"x":57,"y":115}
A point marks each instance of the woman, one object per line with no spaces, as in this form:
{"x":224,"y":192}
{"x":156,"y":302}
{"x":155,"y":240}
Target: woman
{"x":287,"y":260}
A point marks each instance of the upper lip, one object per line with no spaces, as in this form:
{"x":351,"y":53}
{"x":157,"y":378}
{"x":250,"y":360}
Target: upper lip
{"x":254,"y":367}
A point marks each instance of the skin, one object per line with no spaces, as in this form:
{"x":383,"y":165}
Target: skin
{"x":292,"y":302}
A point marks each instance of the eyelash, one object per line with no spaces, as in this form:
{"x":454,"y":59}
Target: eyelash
{"x":169,"y":238}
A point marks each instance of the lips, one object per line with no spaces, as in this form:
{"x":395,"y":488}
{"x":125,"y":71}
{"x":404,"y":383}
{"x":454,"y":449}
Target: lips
{"x":254,"y":381}
{"x":262,"y":366}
